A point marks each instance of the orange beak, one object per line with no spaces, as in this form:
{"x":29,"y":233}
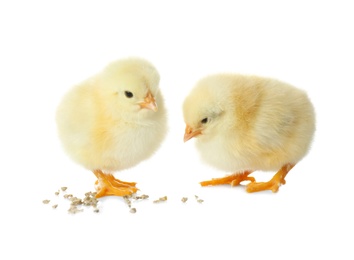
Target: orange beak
{"x":149,"y":102}
{"x":190,"y":133}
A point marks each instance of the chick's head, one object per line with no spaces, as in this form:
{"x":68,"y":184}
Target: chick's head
{"x":130,"y":87}
{"x":204,"y":110}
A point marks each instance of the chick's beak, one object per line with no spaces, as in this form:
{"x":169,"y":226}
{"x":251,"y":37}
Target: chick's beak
{"x":190,"y":133}
{"x":149,"y":102}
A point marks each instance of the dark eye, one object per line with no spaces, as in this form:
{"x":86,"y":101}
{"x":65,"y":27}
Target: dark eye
{"x":128,"y":94}
{"x":204,"y":121}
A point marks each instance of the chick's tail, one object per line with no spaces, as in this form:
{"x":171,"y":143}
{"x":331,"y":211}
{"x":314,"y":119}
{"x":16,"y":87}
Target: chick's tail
{"x":107,"y":185}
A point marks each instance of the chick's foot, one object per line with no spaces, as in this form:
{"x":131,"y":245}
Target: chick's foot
{"x":107,"y":185}
{"x":274,"y":184}
{"x":233,"y":180}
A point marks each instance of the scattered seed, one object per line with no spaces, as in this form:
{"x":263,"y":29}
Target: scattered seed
{"x":142,"y":197}
{"x":198,"y":200}
{"x":76,"y":201}
{"x":74,"y":210}
{"x":160,"y":199}
{"x":127,"y":200}
{"x":68,"y":196}
{"x":91,"y":194}
{"x":90,"y":202}
{"x":77,"y":204}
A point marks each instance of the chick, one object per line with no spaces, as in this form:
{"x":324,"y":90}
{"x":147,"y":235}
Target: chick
{"x":112,"y":121}
{"x":246,"y":123}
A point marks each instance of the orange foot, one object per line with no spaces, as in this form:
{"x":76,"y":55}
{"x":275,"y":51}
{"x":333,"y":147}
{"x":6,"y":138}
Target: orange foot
{"x":107,"y":185}
{"x":233,"y":180}
{"x":274,"y":184}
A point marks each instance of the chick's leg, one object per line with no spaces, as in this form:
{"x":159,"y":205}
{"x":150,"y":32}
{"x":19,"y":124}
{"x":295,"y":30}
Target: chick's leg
{"x":107,"y":185}
{"x":233,"y":180}
{"x":274,"y":184}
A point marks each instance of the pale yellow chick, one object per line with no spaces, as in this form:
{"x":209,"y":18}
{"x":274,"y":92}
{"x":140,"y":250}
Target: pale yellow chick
{"x":113,"y":121}
{"x":249,"y":123}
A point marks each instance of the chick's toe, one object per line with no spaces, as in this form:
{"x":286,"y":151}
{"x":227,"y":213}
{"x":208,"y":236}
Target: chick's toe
{"x":274,"y":184}
{"x":233,"y":180}
{"x":107,"y":185}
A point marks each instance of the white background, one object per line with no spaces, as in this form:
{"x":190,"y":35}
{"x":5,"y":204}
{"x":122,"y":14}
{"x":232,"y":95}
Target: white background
{"x":47,"y":47}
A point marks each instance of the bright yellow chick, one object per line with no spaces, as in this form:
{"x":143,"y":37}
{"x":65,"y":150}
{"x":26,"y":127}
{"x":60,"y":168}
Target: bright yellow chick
{"x":113,"y":121}
{"x":249,"y":123}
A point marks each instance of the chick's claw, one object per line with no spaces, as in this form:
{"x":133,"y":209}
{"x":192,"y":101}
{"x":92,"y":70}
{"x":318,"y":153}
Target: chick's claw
{"x":233,"y":180}
{"x":274,"y":184}
{"x":119,"y":182}
{"x":115,"y":191}
{"x":260,"y":186}
{"x":107,"y":185}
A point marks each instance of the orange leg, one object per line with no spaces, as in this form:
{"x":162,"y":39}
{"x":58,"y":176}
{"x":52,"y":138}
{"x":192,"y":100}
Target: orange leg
{"x":107,"y":185}
{"x":233,"y":180}
{"x":274,"y":184}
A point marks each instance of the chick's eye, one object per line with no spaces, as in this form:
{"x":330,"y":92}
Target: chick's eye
{"x":204,"y":121}
{"x":128,"y":94}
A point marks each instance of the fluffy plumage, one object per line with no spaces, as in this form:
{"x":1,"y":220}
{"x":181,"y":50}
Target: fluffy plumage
{"x":111,"y":121}
{"x":247,"y":123}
